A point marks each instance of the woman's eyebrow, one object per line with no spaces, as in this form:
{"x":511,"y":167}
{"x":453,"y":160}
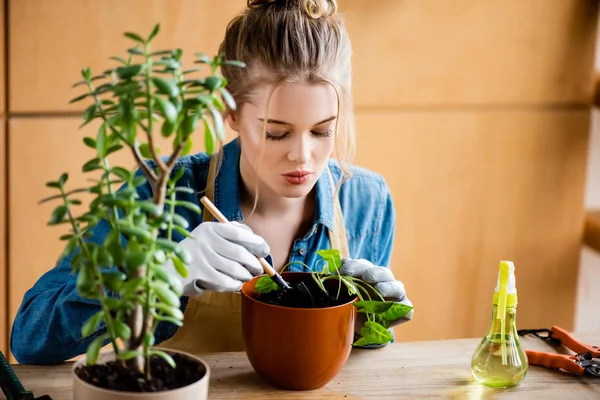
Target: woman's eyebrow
{"x":278,"y":122}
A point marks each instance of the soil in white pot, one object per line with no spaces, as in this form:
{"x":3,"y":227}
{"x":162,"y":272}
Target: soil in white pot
{"x":114,"y":375}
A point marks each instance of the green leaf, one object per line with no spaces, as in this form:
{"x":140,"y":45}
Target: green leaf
{"x":183,"y":231}
{"x":127,"y":229}
{"x":150,"y":207}
{"x":136,"y":259}
{"x":121,"y":173}
{"x":178,"y":174}
{"x":218,"y":123}
{"x":167,"y":108}
{"x":54,"y":185}
{"x":160,"y":257}
{"x":94,"y":349}
{"x":129,"y":71}
{"x":148,"y":339}
{"x":113,"y":280}
{"x":218,"y":102}
{"x":58,"y":214}
{"x":91,"y":165}
{"x":91,"y":324}
{"x":89,"y":113}
{"x":145,"y":150}
{"x":118,"y":59}
{"x":154,"y":32}
{"x":373,"y":306}
{"x":213,"y":82}
{"x":89,"y":142}
{"x":180,"y":267}
{"x":134,"y":36}
{"x":165,"y":294}
{"x":265,"y":284}
{"x":172,"y":320}
{"x":86,"y":73}
{"x":187,"y":148}
{"x":179,"y":220}
{"x":129,"y":354}
{"x":396,"y":311}
{"x":228,"y":99}
{"x":139,"y":180}
{"x":190,"y":206}
{"x":189,"y":124}
{"x":63,"y":179}
{"x":132,"y":286}
{"x":167,"y":128}
{"x":101,"y":141}
{"x":164,"y":86}
{"x":113,"y":148}
{"x":234,"y":63}
{"x":333,"y":259}
{"x":164,"y":356}
{"x":135,"y":51}
{"x":174,"y":312}
{"x":85,"y":281}
{"x":184,"y":189}
{"x":78,"y":98}
{"x":203,"y":58}
{"x":374,"y":333}
{"x":209,"y":137}
{"x":123,"y":331}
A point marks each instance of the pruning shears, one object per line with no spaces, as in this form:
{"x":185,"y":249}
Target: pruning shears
{"x":586,"y":361}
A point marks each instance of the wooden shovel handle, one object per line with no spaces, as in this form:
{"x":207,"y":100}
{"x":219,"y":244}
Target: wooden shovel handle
{"x":221,"y":218}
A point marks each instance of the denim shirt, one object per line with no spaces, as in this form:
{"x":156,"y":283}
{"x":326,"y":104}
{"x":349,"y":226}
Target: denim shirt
{"x":47,"y":328}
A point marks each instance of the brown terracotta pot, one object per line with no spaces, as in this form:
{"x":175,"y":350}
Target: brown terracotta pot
{"x":85,"y":391}
{"x":296,"y":348}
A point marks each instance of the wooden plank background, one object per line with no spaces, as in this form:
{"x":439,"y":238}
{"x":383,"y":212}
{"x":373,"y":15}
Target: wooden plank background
{"x":476,"y":113}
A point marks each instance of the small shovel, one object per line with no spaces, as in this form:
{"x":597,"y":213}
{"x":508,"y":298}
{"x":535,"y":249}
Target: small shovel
{"x":302,"y":288}
{"x":266,"y":267}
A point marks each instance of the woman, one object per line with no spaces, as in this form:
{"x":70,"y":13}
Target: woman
{"x":275,"y":181}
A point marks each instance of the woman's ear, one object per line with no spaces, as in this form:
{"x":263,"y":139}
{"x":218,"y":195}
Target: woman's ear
{"x":233,"y":121}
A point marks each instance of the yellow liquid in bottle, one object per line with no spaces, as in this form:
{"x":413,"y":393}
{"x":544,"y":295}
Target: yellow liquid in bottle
{"x":487,"y":363}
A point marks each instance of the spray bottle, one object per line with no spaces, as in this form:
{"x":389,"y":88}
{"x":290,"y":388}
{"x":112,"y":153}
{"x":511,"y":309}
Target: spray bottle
{"x":500,"y":360}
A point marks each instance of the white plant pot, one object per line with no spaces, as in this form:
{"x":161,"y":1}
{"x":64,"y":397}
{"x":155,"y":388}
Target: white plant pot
{"x":85,"y":391}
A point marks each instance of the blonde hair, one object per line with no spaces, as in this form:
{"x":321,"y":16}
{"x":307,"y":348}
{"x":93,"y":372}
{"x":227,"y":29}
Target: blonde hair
{"x":290,"y":41}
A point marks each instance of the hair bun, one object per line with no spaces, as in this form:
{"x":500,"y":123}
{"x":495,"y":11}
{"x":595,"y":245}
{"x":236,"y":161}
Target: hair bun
{"x":314,"y":8}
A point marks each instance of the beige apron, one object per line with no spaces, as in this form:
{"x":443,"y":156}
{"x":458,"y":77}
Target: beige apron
{"x":212,"y":322}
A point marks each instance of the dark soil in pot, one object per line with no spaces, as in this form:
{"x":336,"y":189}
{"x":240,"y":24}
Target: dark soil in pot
{"x":298,"y":298}
{"x":115,"y":376}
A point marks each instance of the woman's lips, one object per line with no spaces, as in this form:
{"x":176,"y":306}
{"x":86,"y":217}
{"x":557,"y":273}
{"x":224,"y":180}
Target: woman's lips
{"x":297,"y":177}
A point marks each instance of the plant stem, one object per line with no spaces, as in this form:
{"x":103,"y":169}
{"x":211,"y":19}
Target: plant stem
{"x":97,"y":276}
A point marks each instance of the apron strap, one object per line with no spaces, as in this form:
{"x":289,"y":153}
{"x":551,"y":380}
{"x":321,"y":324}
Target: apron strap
{"x":210,"y":188}
{"x":337,"y":237}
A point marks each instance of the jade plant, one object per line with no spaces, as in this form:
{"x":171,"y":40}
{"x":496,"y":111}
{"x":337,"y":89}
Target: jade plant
{"x":378,"y":312}
{"x":145,"y":95}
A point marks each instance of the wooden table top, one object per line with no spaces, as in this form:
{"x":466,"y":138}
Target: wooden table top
{"x":430,"y":370}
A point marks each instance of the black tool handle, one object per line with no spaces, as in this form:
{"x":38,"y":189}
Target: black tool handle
{"x":10,"y":384}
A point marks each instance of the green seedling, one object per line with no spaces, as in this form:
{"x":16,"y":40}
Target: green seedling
{"x":378,"y":312}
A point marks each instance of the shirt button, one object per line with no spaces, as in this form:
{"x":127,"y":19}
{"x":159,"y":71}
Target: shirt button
{"x":302,"y":251}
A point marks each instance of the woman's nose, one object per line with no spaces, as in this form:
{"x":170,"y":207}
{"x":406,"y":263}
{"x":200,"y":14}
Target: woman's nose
{"x":300,"y":151}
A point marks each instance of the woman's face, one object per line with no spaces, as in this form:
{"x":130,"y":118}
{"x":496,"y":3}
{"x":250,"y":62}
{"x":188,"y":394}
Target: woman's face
{"x":299,"y":137}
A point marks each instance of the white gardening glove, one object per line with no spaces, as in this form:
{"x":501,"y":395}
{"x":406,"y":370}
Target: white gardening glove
{"x":382,"y":279}
{"x":223,"y":258}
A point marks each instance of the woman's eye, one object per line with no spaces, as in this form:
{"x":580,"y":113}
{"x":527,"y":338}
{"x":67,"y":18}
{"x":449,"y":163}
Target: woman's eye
{"x":277,"y":137}
{"x":322,"y":134}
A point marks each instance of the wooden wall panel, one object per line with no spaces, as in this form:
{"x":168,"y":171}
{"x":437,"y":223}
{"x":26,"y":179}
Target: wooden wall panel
{"x":3,"y":231}
{"x":51,"y":41}
{"x":46,"y":147}
{"x":408,"y":54}
{"x":472,"y":189}
{"x":435,"y":52}
{"x":2,"y":61}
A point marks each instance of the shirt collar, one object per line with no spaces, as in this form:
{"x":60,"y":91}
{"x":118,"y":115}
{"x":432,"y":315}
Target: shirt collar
{"x":228,"y":183}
